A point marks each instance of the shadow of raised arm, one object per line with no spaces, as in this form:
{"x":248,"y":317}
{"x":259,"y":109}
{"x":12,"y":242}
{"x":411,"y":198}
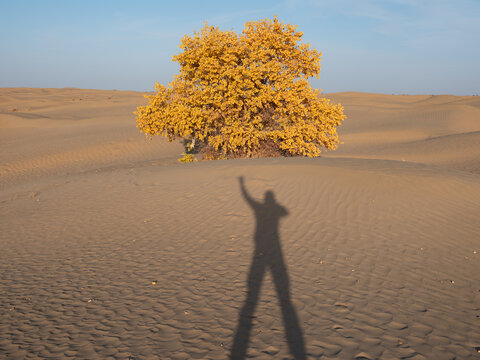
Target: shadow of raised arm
{"x":245,"y":193}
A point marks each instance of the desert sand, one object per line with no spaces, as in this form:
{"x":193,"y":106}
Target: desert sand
{"x":111,"y":249}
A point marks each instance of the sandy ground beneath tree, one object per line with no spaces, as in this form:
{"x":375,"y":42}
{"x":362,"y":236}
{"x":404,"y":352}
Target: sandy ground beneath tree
{"x":111,"y":249}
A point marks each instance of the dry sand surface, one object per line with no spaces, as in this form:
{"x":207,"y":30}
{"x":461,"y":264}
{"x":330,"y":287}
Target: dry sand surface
{"x":111,"y":249}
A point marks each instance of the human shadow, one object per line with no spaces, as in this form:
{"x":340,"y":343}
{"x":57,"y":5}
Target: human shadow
{"x":267,"y":256}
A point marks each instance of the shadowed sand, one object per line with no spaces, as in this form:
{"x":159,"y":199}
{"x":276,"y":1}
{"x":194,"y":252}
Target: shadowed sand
{"x":111,"y":249}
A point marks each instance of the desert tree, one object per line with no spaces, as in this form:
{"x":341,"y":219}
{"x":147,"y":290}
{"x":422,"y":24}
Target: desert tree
{"x":245,"y":95}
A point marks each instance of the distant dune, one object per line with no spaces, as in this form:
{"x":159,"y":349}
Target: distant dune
{"x":441,"y":130}
{"x":112,"y":249}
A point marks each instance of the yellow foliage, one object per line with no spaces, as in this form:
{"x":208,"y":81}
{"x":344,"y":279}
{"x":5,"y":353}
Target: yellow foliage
{"x":245,"y":94}
{"x":186,"y":158}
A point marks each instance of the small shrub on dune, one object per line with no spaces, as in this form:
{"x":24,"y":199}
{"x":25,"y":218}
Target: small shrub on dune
{"x":245,"y":95}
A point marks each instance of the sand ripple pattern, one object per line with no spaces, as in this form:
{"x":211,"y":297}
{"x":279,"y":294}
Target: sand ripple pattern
{"x":151,"y":262}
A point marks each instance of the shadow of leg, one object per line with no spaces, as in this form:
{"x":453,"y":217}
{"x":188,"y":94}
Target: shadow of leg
{"x":242,"y":335}
{"x":290,"y":320}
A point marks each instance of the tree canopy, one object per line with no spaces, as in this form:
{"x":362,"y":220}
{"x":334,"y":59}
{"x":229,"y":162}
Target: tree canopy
{"x":245,"y":95}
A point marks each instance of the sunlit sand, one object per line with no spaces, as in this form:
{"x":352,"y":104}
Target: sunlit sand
{"x":110,"y":248}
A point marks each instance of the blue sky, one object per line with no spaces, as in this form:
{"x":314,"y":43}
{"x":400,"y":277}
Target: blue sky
{"x":384,"y":46}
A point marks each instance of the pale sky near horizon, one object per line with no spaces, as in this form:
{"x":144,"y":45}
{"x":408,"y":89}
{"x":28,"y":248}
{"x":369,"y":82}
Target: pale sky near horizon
{"x":382,"y":46}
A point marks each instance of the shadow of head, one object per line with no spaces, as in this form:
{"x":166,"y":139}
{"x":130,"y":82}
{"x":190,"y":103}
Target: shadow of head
{"x":269,"y":198}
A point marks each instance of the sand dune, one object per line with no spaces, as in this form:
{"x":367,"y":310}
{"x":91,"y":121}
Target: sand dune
{"x":441,"y":130}
{"x":50,"y":131}
{"x":112,"y":249}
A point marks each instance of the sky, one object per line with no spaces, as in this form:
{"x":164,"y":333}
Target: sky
{"x":381,"y":46}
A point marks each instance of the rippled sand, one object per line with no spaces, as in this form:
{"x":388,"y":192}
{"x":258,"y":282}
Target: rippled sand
{"x":112,"y":249}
